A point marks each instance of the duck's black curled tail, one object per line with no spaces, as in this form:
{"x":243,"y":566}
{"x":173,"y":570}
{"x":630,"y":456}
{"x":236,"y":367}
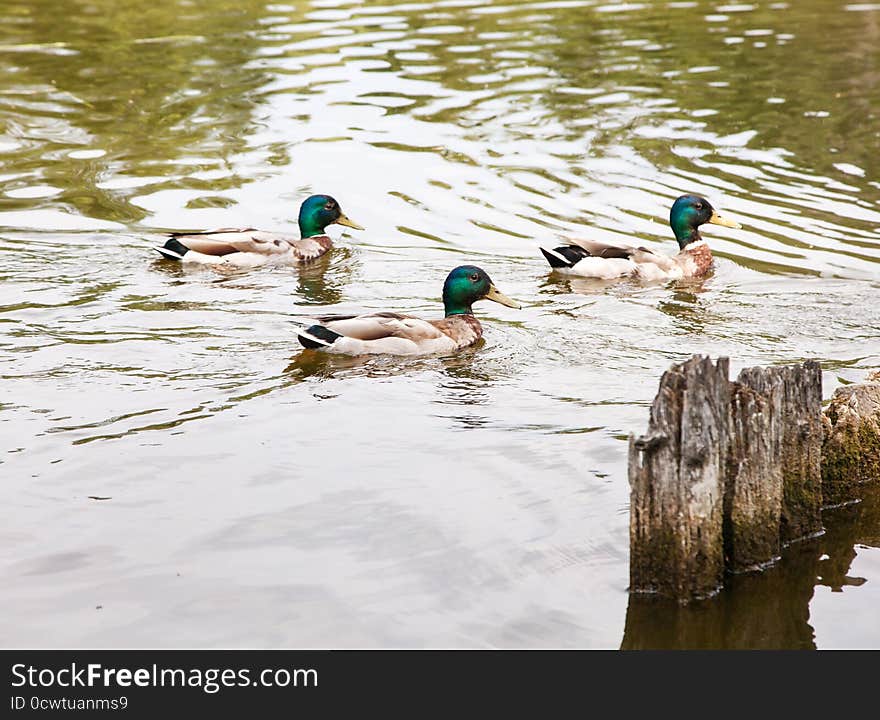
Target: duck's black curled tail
{"x":173,"y":249}
{"x":317,"y":336}
{"x":564,"y":256}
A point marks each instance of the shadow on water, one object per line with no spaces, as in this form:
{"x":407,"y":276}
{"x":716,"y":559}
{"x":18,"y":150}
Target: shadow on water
{"x":769,"y":610}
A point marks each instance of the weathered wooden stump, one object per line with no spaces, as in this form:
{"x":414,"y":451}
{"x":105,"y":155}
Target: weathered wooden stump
{"x":726,"y":473}
{"x":676,"y":473}
{"x":753,"y":494}
{"x":851,"y":448}
{"x":801,"y":451}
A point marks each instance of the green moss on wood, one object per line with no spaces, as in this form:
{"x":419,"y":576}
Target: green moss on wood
{"x":850,"y":457}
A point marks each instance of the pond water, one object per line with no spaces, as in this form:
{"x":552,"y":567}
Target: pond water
{"x":176,"y":472}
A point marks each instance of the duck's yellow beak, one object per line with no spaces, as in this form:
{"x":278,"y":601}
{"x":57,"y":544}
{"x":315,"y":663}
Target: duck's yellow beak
{"x":343,"y":220}
{"x":716,"y":219}
{"x":499,"y":297}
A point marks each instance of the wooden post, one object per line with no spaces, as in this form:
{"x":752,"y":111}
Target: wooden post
{"x":753,"y":494}
{"x":726,"y":473}
{"x":676,"y":474}
{"x":801,"y":452}
{"x":851,"y":448}
{"x":729,"y":472}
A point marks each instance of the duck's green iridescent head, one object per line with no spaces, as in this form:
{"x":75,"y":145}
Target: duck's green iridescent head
{"x":467,"y":284}
{"x":319,"y":211}
{"x":688,"y":213}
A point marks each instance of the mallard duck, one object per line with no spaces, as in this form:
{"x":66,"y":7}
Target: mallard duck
{"x":248,"y":247}
{"x":588,"y":258}
{"x":396,"y":334}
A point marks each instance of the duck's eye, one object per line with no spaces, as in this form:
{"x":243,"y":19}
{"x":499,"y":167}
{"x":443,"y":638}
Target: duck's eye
{"x":699,"y":206}
{"x":330,"y":205}
{"x":475,"y":277}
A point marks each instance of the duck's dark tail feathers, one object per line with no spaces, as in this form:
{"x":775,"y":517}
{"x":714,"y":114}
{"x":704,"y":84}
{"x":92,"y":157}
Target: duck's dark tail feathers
{"x":317,"y":336}
{"x":173,"y":249}
{"x":564,"y":256}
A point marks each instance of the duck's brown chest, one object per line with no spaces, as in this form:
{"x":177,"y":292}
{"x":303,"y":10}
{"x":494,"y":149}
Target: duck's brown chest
{"x":463,"y":329}
{"x":309,"y":249}
{"x":699,"y":260}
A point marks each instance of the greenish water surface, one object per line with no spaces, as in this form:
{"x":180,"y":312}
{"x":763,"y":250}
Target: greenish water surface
{"x":254,"y":495}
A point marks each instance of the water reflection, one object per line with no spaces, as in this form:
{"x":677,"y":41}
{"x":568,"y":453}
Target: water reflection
{"x":323,"y":282}
{"x":468,"y":366}
{"x":465,"y":386}
{"x":321,"y":365}
{"x":588,"y":286}
{"x":124,"y":90}
{"x":769,"y":610}
{"x":688,"y":304}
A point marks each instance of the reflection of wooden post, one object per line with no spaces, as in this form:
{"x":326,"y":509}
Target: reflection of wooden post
{"x":676,"y":475}
{"x":767,"y":610}
{"x":726,"y":472}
